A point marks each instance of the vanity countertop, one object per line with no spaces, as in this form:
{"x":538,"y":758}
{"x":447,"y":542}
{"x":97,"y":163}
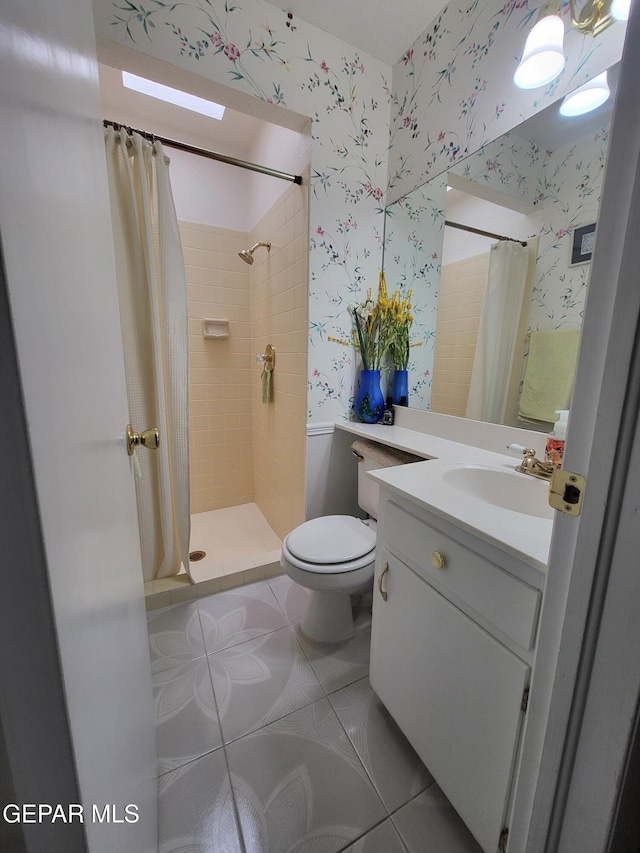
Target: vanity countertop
{"x":526,"y":537}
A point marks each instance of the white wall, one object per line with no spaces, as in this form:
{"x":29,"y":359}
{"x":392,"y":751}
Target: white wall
{"x":281,"y":149}
{"x":223,"y":196}
{"x":210,"y":193}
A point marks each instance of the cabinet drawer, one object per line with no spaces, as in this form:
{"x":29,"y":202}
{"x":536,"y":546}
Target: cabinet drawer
{"x":505,"y":602}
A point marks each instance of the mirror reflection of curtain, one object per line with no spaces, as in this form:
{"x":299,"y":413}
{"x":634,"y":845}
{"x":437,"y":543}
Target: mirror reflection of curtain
{"x":153,"y":316}
{"x":499,"y":321}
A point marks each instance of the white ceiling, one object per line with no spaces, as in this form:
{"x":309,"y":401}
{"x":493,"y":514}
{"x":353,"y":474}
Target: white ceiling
{"x":383,"y":28}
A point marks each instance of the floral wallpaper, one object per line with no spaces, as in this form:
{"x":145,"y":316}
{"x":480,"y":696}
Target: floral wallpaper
{"x":413,"y":252}
{"x":258,"y":49}
{"x":510,"y":165}
{"x":377,"y":133}
{"x":564,"y":184}
{"x":569,"y":194}
{"x":453,"y":89}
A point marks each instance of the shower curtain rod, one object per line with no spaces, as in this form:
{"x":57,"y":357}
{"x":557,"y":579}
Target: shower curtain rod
{"x":482,"y":233}
{"x":202,"y":152}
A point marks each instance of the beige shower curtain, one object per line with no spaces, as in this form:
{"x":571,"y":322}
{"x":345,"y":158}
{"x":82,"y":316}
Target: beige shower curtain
{"x":499,"y":320}
{"x":153,"y":316}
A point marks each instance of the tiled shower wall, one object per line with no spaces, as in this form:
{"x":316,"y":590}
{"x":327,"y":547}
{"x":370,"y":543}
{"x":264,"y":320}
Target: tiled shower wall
{"x":279,"y":289}
{"x":462,"y":289}
{"x":220,"y":370}
{"x":242,"y":450}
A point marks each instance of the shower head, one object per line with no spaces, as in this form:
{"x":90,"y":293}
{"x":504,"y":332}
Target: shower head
{"x":247,"y":254}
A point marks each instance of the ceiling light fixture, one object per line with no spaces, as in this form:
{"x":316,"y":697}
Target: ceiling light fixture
{"x":543,"y":58}
{"x":172,"y":96}
{"x":587,"y":97}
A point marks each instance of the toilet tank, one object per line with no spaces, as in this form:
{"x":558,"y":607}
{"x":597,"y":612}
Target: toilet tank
{"x":371,"y":457}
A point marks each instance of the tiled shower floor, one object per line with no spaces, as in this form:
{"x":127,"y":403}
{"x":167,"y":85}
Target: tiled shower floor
{"x":240,"y":548}
{"x":269,"y":743}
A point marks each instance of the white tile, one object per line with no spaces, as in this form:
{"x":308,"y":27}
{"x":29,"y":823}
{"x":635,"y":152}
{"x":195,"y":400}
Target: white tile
{"x":396,"y":770}
{"x":175,"y":635}
{"x":299,"y":785}
{"x":383,"y":839}
{"x":195,"y":810}
{"x":238,"y":615}
{"x":338,"y":664}
{"x":430,"y":823}
{"x":186,"y":717}
{"x":260,"y":681}
{"x":291,"y":597}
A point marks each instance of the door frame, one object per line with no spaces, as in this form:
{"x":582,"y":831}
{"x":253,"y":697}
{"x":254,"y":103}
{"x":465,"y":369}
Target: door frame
{"x":576,"y":737}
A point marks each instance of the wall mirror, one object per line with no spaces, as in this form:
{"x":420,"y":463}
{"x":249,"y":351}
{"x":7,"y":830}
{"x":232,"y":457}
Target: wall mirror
{"x":538,"y":184}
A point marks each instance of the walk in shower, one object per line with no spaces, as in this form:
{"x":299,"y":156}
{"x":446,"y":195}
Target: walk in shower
{"x":246,"y":456}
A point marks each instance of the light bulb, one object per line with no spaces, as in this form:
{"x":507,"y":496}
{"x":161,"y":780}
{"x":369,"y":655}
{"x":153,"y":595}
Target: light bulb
{"x":587,"y":97}
{"x":620,"y":9}
{"x":543,"y":57}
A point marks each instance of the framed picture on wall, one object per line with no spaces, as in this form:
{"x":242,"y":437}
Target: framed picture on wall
{"x":582,"y":248}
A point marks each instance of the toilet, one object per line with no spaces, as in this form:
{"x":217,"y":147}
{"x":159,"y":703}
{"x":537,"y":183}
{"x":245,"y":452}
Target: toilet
{"x":334,"y":556}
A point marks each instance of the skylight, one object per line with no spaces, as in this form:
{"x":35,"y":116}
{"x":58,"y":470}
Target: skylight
{"x":172,"y":96}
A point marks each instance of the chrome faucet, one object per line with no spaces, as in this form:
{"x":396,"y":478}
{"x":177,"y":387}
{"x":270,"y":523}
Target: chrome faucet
{"x":535,"y":467}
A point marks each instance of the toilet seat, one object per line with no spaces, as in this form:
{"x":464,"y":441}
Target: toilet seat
{"x":330,"y":545}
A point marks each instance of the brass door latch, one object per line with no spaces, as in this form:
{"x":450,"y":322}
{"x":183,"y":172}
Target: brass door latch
{"x":567,"y":491}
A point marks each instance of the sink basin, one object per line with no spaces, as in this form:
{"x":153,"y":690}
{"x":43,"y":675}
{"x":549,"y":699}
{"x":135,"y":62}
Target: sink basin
{"x":501,"y":487}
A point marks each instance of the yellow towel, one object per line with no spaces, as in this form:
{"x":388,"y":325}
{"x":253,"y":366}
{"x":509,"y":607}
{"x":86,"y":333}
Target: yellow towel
{"x":265,"y":386}
{"x":548,"y":377}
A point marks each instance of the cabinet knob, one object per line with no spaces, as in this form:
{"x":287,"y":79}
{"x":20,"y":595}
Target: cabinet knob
{"x":437,"y":560}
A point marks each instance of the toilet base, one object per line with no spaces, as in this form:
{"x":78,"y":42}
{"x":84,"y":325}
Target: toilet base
{"x":330,"y":617}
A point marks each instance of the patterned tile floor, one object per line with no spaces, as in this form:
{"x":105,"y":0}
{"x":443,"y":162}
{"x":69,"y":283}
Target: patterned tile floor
{"x":269,"y":743}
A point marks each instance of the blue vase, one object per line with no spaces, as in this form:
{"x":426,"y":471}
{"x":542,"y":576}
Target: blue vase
{"x":369,"y":402}
{"x":400,"y":388}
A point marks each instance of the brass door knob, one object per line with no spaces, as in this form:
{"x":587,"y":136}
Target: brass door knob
{"x":150,"y":439}
{"x":437,"y":560}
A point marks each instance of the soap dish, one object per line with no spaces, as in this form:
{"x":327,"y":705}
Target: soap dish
{"x":215,"y":328}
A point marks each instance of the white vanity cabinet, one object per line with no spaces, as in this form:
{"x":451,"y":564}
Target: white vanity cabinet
{"x":454,"y":627}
